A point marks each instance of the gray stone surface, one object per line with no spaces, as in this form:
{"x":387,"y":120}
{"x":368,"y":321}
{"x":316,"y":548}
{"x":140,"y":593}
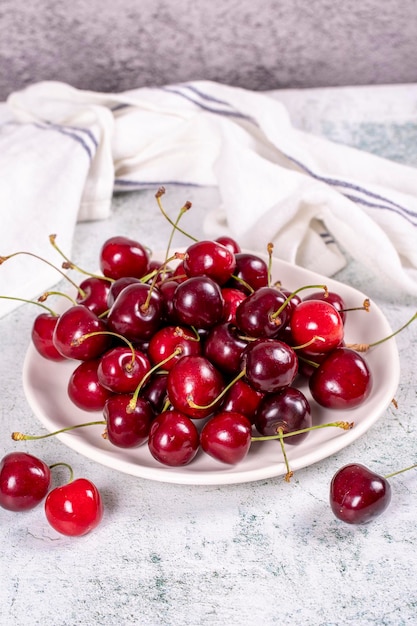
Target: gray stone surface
{"x":263,"y":44}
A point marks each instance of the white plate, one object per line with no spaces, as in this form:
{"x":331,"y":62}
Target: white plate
{"x":45,"y":386}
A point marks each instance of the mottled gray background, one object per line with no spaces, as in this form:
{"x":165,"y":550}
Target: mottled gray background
{"x":259,"y":44}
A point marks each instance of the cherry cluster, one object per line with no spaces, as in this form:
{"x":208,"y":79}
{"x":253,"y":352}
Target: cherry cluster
{"x":73,"y":509}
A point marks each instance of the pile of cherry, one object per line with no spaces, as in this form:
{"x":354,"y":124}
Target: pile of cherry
{"x":195,"y":353}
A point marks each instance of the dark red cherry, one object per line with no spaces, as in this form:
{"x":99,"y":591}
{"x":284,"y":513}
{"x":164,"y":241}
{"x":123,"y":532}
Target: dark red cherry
{"x":209,"y":258}
{"x":42,"y":336}
{"x":288,"y":410}
{"x":318,"y":324}
{"x":173,"y":439}
{"x":257,"y":315}
{"x":122,"y":256}
{"x":250,"y":269}
{"x":343,"y":380}
{"x":358,"y":495}
{"x":194,"y":380}
{"x":72,"y":325}
{"x":126,"y":428}
{"x":224,"y":348}
{"x":229,"y":243}
{"x":155,"y":391}
{"x":198,"y":302}
{"x":270,"y":365}
{"x":136,"y":313}
{"x":96,"y":292}
{"x":84,"y":388}
{"x":117,"y":286}
{"x":227,"y":437}
{"x":242,"y":398}
{"x":24,"y":481}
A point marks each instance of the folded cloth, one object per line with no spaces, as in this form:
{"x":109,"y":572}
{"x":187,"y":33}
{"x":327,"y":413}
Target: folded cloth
{"x":64,"y":151}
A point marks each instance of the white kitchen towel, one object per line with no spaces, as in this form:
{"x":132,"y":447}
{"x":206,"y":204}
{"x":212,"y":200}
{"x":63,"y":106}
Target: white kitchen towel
{"x":64,"y":151}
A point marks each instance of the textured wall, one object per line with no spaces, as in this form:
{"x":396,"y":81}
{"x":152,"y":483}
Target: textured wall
{"x":260,"y":44}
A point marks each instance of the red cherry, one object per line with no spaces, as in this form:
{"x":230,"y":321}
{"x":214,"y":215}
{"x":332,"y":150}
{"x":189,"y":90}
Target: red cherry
{"x":42,"y":336}
{"x":256,"y":315}
{"x":96,"y":292}
{"x":121,"y":371}
{"x":242,"y":398}
{"x":194,"y":380}
{"x":24,"y":481}
{"x":229,"y":243}
{"x":317,"y":323}
{"x":288,"y":410}
{"x":270,"y":365}
{"x":332,"y":298}
{"x":127,"y":428}
{"x":121,"y":256}
{"x":74,"y":509}
{"x":137,"y":312}
{"x":84,"y":388}
{"x":169,"y":339}
{"x":232,"y":298}
{"x":342,"y":380}
{"x":250,"y":269}
{"x":73,"y":324}
{"x":198,"y":302}
{"x":209,"y":258}
{"x":227,"y":437}
{"x":358,"y":495}
{"x":173,"y":439}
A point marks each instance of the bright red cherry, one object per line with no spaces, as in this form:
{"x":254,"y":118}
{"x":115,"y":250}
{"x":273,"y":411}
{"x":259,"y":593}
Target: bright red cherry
{"x":120,"y":370}
{"x":72,"y":325}
{"x":137,"y":312}
{"x":318,"y":324}
{"x":227,"y":437}
{"x":332,"y":298}
{"x":42,"y":336}
{"x":232,"y":298}
{"x":84,"y":388}
{"x":209,"y":258}
{"x":242,"y":398}
{"x":122,"y":256}
{"x":127,"y":428}
{"x":24,"y":481}
{"x":173,"y":439}
{"x":169,"y":339}
{"x":96,"y":292}
{"x":74,"y":509}
{"x":229,"y":243}
{"x":358,"y":495}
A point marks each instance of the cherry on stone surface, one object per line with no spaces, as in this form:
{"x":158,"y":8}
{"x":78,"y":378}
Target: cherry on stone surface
{"x":24,"y":481}
{"x":74,"y":509}
{"x":358,"y":495}
{"x":173,"y":439}
{"x":227,"y":437}
{"x":121,"y":256}
{"x":343,"y":380}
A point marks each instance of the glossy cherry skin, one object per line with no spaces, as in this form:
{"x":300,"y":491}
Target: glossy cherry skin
{"x":342,"y":380}
{"x":42,"y":336}
{"x":119,"y":372}
{"x":136,"y":313}
{"x":96,"y":292}
{"x":242,"y":398}
{"x":117,"y":286}
{"x":126,"y":428}
{"x":74,"y":509}
{"x":198,"y":302}
{"x":173,"y":439}
{"x":256,"y":315}
{"x":72,"y":325}
{"x":332,"y":298}
{"x":316,"y":318}
{"x":250,"y":269}
{"x":232,"y":298}
{"x":288,"y":410}
{"x":195,"y":379}
{"x":209,"y":258}
{"x":229,"y":243}
{"x":24,"y":481}
{"x":122,"y":256}
{"x":270,"y":365}
{"x":358,"y":495}
{"x":155,"y":391}
{"x":227,"y":437}
{"x":224,"y":348}
{"x":169,"y":339}
{"x":84,"y":388}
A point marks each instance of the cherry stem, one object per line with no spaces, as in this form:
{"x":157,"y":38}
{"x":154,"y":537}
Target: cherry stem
{"x":308,"y":343}
{"x":71,"y":471}
{"x":365,"y":307}
{"x":43,"y":306}
{"x":270,"y":249}
{"x":294,"y":293}
{"x":243,"y":283}
{"x":70,"y":265}
{"x":158,"y":366}
{"x":405,"y":469}
{"x":80,"y":340}
{"x":363,"y":347}
{"x":36,"y":256}
{"x":289,"y":473}
{"x":193,"y":405}
{"x":46,"y":295}
{"x":16,"y":436}
{"x":342,"y":425}
{"x":174,"y":257}
{"x":186,"y":206}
